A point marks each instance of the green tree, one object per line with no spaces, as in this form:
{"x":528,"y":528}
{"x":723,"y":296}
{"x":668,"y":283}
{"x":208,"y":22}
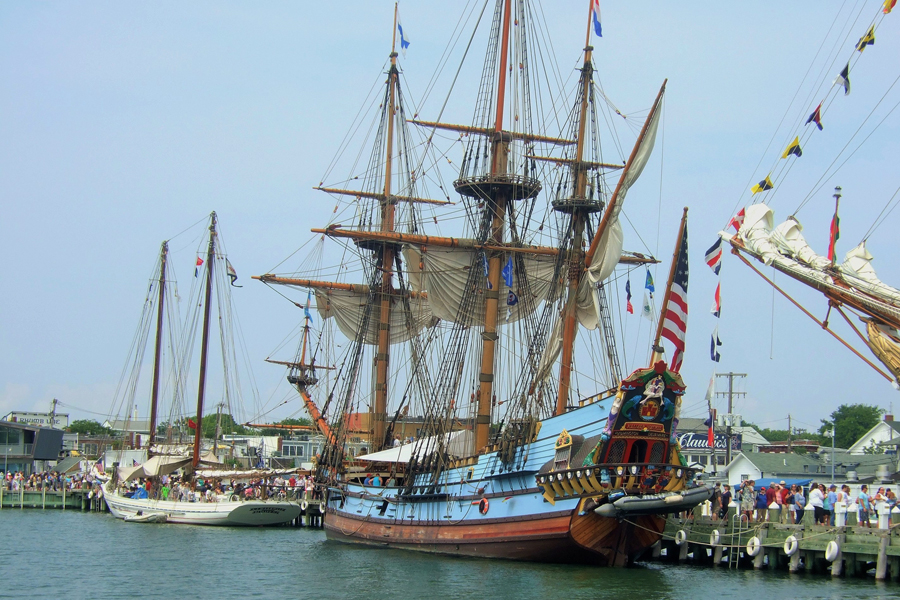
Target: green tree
{"x":88,"y":427}
{"x":283,"y":432}
{"x":850,"y":422}
{"x":227,"y":425}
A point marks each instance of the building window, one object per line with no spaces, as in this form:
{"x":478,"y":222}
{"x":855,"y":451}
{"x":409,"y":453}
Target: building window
{"x":720,"y":460}
{"x":806,"y":468}
{"x":703,"y":459}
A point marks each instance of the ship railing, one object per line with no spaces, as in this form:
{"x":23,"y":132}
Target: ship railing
{"x":600,"y":480}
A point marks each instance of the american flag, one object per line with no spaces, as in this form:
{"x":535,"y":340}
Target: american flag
{"x":675,"y":312}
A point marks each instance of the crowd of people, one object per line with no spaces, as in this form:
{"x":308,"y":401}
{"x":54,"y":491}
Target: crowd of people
{"x":175,"y":488}
{"x":792,"y":500}
{"x":51,"y":481}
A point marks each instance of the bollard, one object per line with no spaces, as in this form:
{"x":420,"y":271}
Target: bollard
{"x":774,"y":513}
{"x":840,"y":514}
{"x":809,"y":516}
{"x":895,"y":515}
{"x":884,"y":515}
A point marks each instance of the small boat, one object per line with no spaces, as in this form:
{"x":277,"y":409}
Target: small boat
{"x":141,"y":517}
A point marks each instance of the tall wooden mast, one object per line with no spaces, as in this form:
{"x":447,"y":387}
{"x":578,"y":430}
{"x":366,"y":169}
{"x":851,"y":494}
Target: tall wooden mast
{"x":204,"y":347}
{"x":386,"y":260}
{"x":580,"y":208}
{"x":497,"y":204}
{"x":160,"y":311}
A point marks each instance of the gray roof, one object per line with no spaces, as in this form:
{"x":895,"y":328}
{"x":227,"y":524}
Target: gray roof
{"x":68,"y":465}
{"x":778,"y":464}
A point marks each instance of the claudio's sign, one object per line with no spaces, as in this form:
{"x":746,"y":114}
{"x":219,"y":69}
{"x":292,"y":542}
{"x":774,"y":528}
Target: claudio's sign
{"x":700,"y":441}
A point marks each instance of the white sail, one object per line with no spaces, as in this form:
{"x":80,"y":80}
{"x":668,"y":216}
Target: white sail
{"x":349,"y":309}
{"x":788,"y":237}
{"x":609,"y":250}
{"x":858,"y":271}
{"x":444,"y":273}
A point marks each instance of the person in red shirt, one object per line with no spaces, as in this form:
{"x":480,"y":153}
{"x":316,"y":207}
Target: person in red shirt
{"x":770,"y":496}
{"x":786,"y":497}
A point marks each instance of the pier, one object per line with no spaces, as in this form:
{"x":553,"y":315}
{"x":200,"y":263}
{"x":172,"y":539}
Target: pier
{"x":83,"y":500}
{"x":843,"y":550}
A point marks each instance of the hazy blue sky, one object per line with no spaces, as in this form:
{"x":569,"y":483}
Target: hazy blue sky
{"x":123,"y":123}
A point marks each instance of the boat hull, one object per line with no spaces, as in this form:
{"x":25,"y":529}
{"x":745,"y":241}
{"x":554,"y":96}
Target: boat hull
{"x":231,"y":514}
{"x":557,"y":537}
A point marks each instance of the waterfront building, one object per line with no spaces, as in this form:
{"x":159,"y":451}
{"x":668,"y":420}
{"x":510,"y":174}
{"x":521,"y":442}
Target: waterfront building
{"x":29,"y":448}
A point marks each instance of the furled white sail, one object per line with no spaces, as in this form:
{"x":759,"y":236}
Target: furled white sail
{"x":788,"y":237}
{"x":349,"y":312}
{"x":609,"y":250}
{"x":444,"y":274}
{"x":858,"y":271}
{"x":551,"y":352}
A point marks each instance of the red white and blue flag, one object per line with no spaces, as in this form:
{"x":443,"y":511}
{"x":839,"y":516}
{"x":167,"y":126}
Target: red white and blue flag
{"x":714,"y":256}
{"x":595,"y":13}
{"x":675,"y":312}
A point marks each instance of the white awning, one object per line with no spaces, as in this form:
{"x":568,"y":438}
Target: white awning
{"x":459,"y":443}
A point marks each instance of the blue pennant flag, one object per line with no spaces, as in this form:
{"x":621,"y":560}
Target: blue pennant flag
{"x":508,"y":272}
{"x":404,"y":40}
{"x":715,"y":342}
{"x":484,"y":263}
{"x":306,"y":308}
{"x":649,"y":283}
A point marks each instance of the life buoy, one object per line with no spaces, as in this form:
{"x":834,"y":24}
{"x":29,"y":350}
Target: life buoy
{"x":680,"y":537}
{"x":831,"y":551}
{"x":714,"y":538}
{"x":753,"y":546}
{"x":791,"y":545}
{"x":304,"y":505}
{"x":321,"y":508}
{"x":484,"y":506}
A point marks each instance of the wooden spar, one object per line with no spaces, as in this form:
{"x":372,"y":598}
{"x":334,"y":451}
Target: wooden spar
{"x":356,"y":288}
{"x":297,"y":365}
{"x":160,"y":312}
{"x":450,"y":242}
{"x":832,"y":294}
{"x":656,"y":353}
{"x":607,"y":215}
{"x":515,"y":135}
{"x":204,"y":342}
{"x":317,"y":417}
{"x":584,"y":164}
{"x":497,"y":204}
{"x":381,"y":197}
{"x":576,"y":258}
{"x":736,"y":252}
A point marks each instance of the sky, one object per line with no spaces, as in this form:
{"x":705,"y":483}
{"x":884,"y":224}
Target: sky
{"x":121,"y":125}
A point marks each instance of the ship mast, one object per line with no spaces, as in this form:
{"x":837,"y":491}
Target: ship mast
{"x":386,"y":261}
{"x":579,"y":207}
{"x":497,"y":204}
{"x":204,"y":347}
{"x":160,"y":311}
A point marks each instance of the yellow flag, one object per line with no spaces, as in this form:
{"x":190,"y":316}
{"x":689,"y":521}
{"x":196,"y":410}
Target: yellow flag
{"x":762,"y":186}
{"x":793,"y":148}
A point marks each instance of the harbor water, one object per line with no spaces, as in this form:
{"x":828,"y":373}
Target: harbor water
{"x":73,"y":555}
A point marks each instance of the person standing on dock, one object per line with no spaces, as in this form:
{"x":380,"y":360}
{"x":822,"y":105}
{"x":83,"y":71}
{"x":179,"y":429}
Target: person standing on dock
{"x":724,"y":501}
{"x":864,"y":503}
{"x":762,"y":506}
{"x":787,"y":505}
{"x":799,"y":503}
{"x":817,"y":501}
{"x":748,"y":498}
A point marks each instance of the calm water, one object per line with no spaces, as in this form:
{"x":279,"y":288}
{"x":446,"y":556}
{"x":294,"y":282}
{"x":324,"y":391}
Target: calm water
{"x":70,"y":555}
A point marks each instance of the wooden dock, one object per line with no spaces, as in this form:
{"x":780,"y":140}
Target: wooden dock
{"x":83,"y":500}
{"x":845,"y":549}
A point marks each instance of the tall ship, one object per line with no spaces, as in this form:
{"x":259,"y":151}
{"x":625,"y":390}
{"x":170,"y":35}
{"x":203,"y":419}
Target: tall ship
{"x":464,"y":369}
{"x":124,"y":492}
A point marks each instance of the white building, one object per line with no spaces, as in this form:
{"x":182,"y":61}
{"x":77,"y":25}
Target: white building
{"x":885,"y":431}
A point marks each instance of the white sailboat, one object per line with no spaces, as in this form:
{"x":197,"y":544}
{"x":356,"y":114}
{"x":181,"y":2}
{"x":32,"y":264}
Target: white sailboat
{"x":225,"y":509}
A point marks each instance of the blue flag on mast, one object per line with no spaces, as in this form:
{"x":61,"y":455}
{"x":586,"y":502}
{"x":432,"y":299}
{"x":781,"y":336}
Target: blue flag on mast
{"x":404,"y":40}
{"x":596,"y":15}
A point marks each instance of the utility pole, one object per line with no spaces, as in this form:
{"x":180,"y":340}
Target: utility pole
{"x":729,"y":418}
{"x":789,"y":433}
{"x":53,"y":412}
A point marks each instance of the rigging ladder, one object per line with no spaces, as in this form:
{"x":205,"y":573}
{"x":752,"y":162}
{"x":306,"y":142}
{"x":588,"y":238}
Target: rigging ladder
{"x":615,"y":370}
